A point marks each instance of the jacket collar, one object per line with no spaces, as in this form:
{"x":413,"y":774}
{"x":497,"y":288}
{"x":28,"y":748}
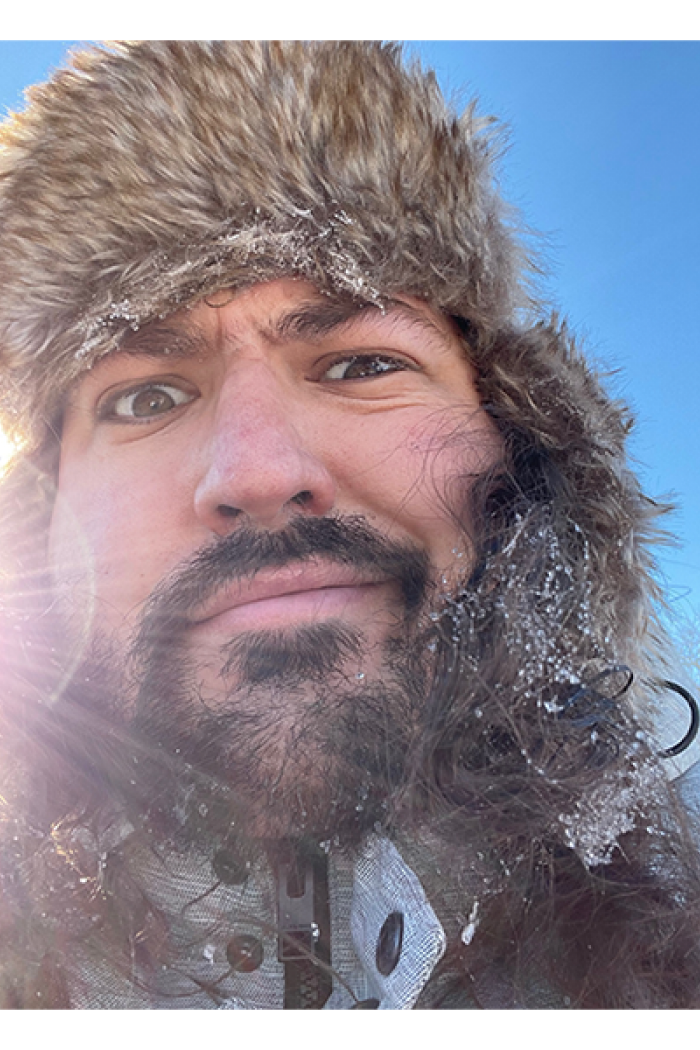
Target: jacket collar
{"x":386,"y":938}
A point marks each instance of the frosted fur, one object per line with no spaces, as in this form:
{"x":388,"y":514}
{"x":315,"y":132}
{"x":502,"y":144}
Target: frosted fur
{"x":147,"y":175}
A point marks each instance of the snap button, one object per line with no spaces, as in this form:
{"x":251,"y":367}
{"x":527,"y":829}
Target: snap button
{"x":229,"y":868}
{"x":244,"y":953}
{"x":389,"y":943}
{"x":365,"y":1004}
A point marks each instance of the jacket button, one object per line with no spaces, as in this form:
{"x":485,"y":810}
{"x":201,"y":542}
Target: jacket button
{"x":244,"y":953}
{"x":229,"y":868}
{"x":389,"y":943}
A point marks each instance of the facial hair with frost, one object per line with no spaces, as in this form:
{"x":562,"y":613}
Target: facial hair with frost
{"x":306,"y":740}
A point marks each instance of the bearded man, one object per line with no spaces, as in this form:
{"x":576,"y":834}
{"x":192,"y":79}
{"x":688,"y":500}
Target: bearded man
{"x":330,"y":655}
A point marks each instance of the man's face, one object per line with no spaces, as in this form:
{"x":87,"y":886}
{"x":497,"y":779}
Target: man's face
{"x":282,"y":472}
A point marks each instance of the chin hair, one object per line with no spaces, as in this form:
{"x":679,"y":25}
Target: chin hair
{"x":288,"y":657}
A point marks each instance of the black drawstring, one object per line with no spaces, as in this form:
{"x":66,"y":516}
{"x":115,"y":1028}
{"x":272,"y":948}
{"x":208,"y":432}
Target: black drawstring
{"x":684,"y":744}
{"x":589,"y":704}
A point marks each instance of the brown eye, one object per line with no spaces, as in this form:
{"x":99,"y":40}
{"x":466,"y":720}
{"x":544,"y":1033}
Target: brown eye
{"x":364,"y":366}
{"x":144,"y":402}
{"x":152,"y":402}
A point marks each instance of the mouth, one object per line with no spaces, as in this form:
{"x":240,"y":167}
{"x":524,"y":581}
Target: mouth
{"x":299,"y":593}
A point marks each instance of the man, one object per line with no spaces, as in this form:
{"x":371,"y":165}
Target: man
{"x":330,"y":652}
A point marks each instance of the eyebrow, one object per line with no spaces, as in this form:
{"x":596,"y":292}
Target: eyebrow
{"x":310,"y":320}
{"x":314,"y":320}
{"x":160,"y":339}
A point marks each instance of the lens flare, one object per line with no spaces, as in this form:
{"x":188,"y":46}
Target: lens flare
{"x":7,"y":451}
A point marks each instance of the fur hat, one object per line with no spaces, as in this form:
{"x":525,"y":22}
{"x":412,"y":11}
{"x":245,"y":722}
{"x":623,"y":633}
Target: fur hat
{"x":147,"y":175}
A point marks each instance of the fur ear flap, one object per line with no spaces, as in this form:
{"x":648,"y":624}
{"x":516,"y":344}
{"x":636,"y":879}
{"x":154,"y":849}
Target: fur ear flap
{"x":146,"y":175}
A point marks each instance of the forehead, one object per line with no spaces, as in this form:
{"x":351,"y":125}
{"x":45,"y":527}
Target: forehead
{"x":279,"y":313}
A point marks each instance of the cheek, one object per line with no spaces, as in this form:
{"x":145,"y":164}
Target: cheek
{"x":423,"y":466}
{"x":110,"y":543}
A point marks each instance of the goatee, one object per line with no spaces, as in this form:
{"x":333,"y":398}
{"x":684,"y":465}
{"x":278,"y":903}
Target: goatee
{"x":296,"y":740}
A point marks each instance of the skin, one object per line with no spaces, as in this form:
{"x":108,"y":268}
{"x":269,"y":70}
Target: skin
{"x":268,"y":426}
{"x":248,"y":410}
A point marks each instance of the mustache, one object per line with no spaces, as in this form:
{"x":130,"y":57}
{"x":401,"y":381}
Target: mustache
{"x":348,"y":540}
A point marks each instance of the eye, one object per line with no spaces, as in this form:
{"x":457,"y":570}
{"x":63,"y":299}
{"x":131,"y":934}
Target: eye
{"x":364,"y":366}
{"x":144,"y":402}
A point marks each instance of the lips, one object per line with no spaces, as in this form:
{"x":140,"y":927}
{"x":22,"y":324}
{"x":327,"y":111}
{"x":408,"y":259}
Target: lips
{"x":309,"y":590}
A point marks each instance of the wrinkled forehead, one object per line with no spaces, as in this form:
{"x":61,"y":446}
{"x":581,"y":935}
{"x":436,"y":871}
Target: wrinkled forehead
{"x":296,"y":310}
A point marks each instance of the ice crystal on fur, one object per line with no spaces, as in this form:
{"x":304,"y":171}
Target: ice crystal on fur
{"x":162,"y":215}
{"x":309,"y":248}
{"x":610,"y":810}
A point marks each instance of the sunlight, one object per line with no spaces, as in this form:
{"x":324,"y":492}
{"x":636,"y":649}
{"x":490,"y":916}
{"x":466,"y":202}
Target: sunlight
{"x":7,"y":450}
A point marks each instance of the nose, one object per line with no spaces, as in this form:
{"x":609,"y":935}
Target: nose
{"x":258,"y":464}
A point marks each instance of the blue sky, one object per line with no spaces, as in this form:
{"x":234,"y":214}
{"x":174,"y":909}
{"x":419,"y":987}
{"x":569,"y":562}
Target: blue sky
{"x":603,"y":160}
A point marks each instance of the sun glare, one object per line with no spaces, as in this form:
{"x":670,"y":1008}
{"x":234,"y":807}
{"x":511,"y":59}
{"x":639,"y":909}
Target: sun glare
{"x":7,"y":450}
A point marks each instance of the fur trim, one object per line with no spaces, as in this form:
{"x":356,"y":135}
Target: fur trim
{"x":145,"y":177}
{"x":149,"y":174}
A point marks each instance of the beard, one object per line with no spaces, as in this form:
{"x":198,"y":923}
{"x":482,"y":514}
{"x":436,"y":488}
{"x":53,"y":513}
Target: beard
{"x":289,"y":735}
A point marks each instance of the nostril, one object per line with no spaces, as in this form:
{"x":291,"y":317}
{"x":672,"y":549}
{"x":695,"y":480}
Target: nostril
{"x":230,"y":513}
{"x":302,"y":499}
{"x":227,"y":512}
